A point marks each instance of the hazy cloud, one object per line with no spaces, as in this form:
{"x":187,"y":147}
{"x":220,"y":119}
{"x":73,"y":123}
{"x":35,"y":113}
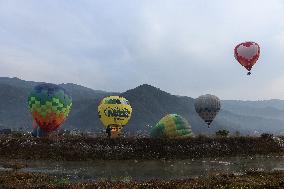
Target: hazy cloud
{"x":184,"y":47}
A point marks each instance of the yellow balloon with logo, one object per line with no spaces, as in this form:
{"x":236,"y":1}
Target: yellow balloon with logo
{"x":114,"y":111}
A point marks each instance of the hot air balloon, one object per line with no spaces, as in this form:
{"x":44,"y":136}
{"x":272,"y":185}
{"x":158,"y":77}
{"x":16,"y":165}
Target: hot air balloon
{"x":114,"y":112}
{"x":247,"y":54}
{"x":172,"y":126}
{"x":49,"y":105}
{"x":207,"y":106}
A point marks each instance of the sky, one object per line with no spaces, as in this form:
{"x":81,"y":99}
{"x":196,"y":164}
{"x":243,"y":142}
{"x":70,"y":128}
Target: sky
{"x":180,"y":46}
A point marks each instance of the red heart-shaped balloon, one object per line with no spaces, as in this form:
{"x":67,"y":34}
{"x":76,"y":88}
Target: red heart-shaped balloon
{"x":247,"y":54}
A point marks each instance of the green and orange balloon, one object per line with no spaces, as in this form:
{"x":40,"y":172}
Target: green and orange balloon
{"x":49,"y":105}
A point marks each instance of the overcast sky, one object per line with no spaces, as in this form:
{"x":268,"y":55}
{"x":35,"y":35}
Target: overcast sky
{"x":184,"y":47}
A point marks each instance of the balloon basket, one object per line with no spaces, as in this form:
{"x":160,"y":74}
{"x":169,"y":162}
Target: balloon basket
{"x":114,"y":134}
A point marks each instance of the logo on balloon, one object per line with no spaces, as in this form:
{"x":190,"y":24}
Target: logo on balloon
{"x":116,"y":112}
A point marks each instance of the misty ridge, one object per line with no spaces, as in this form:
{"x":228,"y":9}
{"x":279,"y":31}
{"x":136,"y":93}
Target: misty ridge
{"x":149,"y":105}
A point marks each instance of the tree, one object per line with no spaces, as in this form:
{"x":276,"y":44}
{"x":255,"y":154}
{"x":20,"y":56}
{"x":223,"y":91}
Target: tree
{"x":266,"y":136}
{"x":222,"y":133}
{"x":237,"y":133}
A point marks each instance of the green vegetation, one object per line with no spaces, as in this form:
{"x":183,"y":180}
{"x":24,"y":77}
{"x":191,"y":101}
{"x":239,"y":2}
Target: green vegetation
{"x":266,"y":136}
{"x":222,"y":133}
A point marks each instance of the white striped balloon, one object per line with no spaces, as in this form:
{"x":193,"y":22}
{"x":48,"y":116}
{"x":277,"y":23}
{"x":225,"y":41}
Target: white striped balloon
{"x":207,"y":106}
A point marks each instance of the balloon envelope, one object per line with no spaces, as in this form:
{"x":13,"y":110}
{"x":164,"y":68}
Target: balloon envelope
{"x":247,"y":54}
{"x":50,"y":105}
{"x":207,"y":106}
{"x":172,"y":126}
{"x":114,"y":111}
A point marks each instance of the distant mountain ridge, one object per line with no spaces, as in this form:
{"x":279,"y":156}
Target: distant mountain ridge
{"x":149,"y":105}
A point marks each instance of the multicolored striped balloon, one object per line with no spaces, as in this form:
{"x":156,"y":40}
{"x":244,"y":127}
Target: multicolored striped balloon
{"x":50,"y":105}
{"x":172,"y":126}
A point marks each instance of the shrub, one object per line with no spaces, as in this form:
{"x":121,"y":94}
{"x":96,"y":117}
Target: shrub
{"x":266,"y":136}
{"x":222,"y":133}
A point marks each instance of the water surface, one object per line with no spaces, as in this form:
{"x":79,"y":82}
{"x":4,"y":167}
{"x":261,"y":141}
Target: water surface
{"x":154,"y":169}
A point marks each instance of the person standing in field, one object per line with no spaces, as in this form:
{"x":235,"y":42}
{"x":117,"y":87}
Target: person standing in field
{"x":108,"y":131}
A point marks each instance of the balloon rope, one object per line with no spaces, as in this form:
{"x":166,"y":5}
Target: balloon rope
{"x":57,"y":145}
{"x":34,"y":124}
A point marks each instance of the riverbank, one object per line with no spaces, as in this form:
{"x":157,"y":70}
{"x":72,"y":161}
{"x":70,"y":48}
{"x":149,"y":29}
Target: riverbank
{"x":249,"y":180}
{"x":86,"y":148}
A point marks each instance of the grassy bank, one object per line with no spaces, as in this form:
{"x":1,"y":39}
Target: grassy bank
{"x":248,"y":180}
{"x":84,"y":148}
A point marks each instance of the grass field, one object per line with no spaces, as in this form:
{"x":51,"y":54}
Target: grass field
{"x":85,"y":148}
